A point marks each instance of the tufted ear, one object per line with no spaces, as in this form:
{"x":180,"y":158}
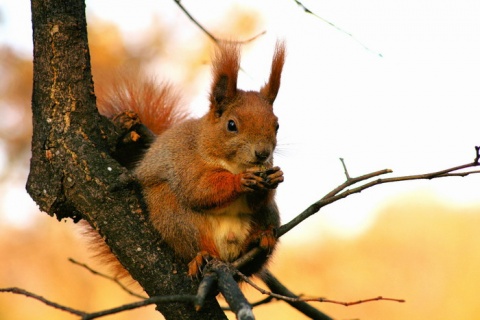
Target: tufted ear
{"x":270,"y":89}
{"x":226,"y":64}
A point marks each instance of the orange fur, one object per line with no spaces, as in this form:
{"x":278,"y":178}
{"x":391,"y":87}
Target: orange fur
{"x":208,"y":182}
{"x":225,"y":65}
{"x":207,"y":244}
{"x":270,"y":89}
{"x":102,"y":251}
{"x":157,"y":105}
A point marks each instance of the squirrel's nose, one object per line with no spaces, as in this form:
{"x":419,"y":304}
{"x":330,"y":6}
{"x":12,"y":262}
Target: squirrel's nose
{"x":262,"y":154}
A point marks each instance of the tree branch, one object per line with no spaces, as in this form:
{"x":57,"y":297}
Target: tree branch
{"x":219,"y":276}
{"x":337,"y":194}
{"x":186,"y":298}
{"x":71,"y":170}
{"x":231,"y":292}
{"x":277,"y":287}
{"x":115,"y":280}
{"x":71,"y":173}
{"x":296,"y":299}
{"x":336,"y":27}
{"x":43,"y":300}
{"x":345,"y":169}
{"x":208,"y":33}
{"x":94,"y":315}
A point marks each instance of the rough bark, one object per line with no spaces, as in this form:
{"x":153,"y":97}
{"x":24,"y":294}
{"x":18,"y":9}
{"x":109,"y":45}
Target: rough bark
{"x":72,"y":174}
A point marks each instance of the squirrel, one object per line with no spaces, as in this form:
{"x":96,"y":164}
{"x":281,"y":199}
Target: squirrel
{"x":208,"y":183}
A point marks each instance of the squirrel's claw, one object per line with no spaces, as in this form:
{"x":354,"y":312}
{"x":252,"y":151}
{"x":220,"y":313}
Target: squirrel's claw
{"x":198,"y":262}
{"x":274,"y":177}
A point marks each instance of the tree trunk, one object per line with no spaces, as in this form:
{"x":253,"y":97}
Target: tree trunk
{"x":72,"y":174}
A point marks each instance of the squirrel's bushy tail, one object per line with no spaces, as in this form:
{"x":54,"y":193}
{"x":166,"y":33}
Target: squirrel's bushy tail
{"x":103,"y":254}
{"x":157,"y":105}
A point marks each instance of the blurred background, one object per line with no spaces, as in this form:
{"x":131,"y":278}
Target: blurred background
{"x":396,"y":87}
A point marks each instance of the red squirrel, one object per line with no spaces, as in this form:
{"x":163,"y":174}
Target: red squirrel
{"x":209,"y":183}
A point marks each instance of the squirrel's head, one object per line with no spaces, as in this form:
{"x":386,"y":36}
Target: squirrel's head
{"x":242,"y":125}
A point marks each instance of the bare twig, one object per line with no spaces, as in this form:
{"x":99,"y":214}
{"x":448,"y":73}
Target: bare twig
{"x":298,"y":299}
{"x":246,"y":258}
{"x":208,"y":33}
{"x":139,"y":304}
{"x":276,"y":286}
{"x":351,"y":303}
{"x":252,"y":38}
{"x":94,"y":315}
{"x":337,"y":193}
{"x":218,"y":274}
{"x":253,"y":304}
{"x":340,"y":193}
{"x":263,"y":291}
{"x":345,"y":169}
{"x":43,"y":300}
{"x":355,"y":180}
{"x":263,"y":301}
{"x":336,"y":27}
{"x":115,"y":280}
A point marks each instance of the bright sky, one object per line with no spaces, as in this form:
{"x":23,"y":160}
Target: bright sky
{"x":414,"y":110}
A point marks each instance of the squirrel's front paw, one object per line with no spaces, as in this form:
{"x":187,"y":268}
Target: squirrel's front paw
{"x":251,"y":180}
{"x":272,"y":177}
{"x":261,"y":179}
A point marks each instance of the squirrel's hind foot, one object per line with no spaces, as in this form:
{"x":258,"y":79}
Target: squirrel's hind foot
{"x":198,"y":263}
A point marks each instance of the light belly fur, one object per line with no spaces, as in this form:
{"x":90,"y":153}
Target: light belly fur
{"x":231,"y":226}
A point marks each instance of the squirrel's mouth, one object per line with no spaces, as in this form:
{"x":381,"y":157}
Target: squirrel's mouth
{"x":263,"y":164}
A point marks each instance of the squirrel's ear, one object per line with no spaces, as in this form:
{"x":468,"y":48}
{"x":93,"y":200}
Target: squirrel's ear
{"x":270,"y":89}
{"x":226,"y":64}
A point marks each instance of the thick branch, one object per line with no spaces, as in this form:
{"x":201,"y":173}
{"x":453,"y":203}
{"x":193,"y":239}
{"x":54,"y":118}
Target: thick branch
{"x":219,"y":275}
{"x":71,"y":171}
{"x":232,"y":293}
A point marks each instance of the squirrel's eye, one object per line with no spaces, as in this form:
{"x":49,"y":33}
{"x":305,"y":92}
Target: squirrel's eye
{"x":231,"y":126}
